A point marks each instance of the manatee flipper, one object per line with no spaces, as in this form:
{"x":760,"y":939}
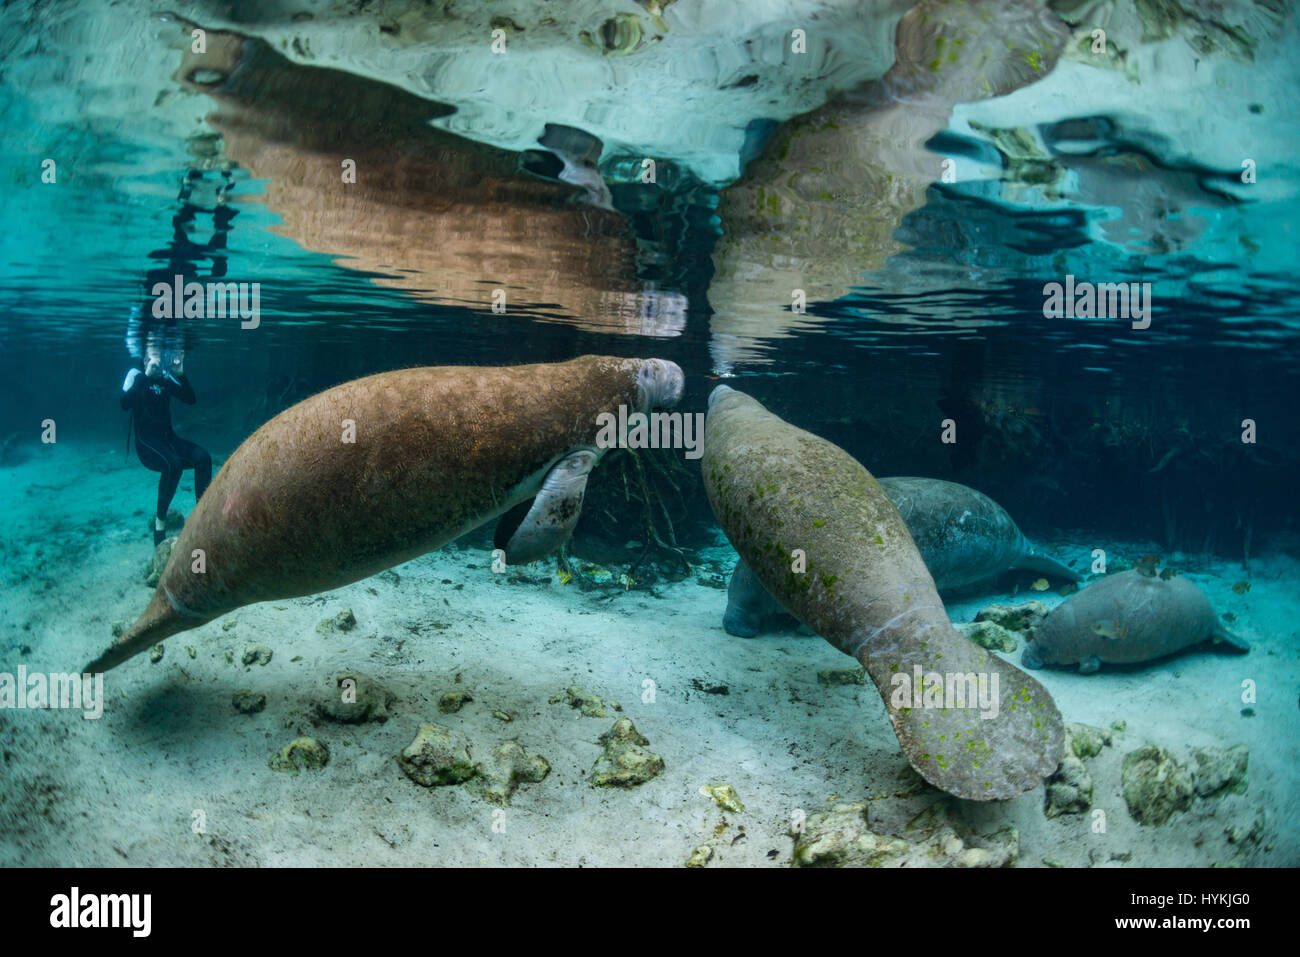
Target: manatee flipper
{"x":1090,"y":665}
{"x":748,"y":604}
{"x":1222,"y":636}
{"x":579,"y":151}
{"x":1035,"y":561}
{"x":548,"y":522}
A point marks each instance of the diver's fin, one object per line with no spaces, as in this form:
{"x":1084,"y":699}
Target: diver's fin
{"x":579,"y":151}
{"x":529,"y":533}
{"x":159,"y":621}
{"x":1222,"y":636}
{"x":1035,"y":561}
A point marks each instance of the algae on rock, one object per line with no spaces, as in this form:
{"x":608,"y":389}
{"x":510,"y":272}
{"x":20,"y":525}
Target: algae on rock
{"x":1220,"y":771}
{"x":353,"y":698}
{"x":1021,"y":618}
{"x":591,"y":705}
{"x":625,"y":763}
{"x":507,"y":766}
{"x":1069,"y":790}
{"x":990,"y":635}
{"x":301,"y":754}
{"x":437,"y":756}
{"x":842,"y":837}
{"x":1155,"y":785}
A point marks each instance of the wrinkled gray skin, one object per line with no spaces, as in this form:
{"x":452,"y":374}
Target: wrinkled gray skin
{"x":963,"y":536}
{"x":1124,"y":619}
{"x":820,"y":534}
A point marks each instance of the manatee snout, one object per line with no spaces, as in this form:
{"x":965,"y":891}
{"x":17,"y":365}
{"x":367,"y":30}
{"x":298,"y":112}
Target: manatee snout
{"x":719,"y":393}
{"x":660,"y":383}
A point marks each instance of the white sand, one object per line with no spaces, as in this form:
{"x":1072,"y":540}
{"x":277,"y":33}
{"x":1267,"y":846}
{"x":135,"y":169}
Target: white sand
{"x":125,"y":789}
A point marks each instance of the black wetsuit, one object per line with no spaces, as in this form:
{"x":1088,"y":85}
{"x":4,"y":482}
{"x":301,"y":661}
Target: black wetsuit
{"x":160,"y":449}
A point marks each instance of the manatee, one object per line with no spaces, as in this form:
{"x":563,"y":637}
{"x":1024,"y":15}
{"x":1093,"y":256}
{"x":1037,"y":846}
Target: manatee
{"x":438,"y":451}
{"x":963,"y":535}
{"x":1126,"y":618}
{"x":818,"y":531}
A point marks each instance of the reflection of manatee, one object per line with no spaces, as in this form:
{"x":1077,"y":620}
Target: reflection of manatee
{"x":1124,"y":619}
{"x":963,"y":536}
{"x":984,"y":730}
{"x":437,"y":215}
{"x":820,"y":204}
{"x":437,"y":452}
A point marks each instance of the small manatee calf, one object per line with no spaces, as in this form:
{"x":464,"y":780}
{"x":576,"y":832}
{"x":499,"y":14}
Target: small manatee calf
{"x":963,"y":535}
{"x":304,"y":505}
{"x":1126,"y":618}
{"x":820,"y":534}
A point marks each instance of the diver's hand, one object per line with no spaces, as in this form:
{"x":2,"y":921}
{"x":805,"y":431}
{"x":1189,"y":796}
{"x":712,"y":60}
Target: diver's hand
{"x":130,"y":380}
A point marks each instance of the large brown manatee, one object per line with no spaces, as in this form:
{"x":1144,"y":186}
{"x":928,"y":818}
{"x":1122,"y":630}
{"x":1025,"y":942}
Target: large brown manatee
{"x":436,"y":452}
{"x":821,"y":535}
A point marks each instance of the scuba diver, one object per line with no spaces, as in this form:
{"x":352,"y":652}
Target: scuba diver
{"x":147,"y":394}
{"x":158,"y":373}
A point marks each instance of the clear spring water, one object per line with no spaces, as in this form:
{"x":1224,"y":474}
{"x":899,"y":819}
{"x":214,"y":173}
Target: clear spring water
{"x":924,"y":206}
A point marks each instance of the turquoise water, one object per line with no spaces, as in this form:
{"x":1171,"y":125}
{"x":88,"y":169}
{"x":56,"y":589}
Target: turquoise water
{"x":862,"y":236}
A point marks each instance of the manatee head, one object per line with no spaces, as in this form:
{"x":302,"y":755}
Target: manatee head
{"x":660,"y":384}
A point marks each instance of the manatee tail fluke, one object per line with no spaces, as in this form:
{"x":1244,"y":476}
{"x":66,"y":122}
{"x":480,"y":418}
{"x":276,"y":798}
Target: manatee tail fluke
{"x":159,"y":621}
{"x":979,"y":728}
{"x":1035,"y":561}
{"x":1222,"y":636}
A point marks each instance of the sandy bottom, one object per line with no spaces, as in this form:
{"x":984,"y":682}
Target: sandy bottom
{"x":171,"y":750}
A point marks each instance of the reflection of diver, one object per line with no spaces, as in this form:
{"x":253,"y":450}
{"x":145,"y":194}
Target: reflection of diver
{"x":148,"y":397}
{"x":182,"y":254}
